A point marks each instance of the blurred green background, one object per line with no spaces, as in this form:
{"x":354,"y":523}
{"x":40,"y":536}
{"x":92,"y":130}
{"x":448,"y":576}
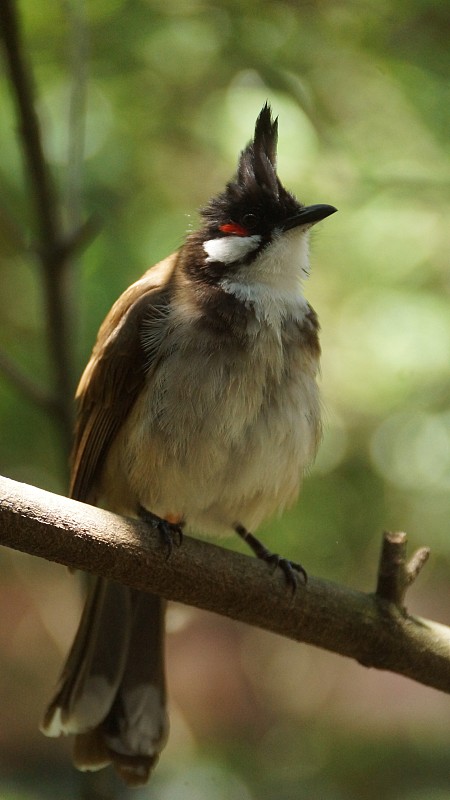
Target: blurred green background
{"x":173,"y":90}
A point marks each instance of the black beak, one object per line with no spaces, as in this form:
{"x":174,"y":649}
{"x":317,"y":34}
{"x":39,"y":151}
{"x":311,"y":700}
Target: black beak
{"x":308,"y":216}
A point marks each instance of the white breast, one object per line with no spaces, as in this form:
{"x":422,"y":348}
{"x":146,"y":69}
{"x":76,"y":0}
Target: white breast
{"x":222,"y":439}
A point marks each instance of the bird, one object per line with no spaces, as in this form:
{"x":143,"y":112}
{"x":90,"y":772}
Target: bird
{"x":199,"y":411}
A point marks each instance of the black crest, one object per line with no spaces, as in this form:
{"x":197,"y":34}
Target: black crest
{"x":257,"y":163}
{"x":256,"y":192}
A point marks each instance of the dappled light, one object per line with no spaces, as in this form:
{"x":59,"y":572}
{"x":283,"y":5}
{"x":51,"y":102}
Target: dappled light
{"x":172,"y":93}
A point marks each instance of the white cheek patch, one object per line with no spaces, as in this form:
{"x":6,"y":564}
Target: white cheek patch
{"x":228,"y":249}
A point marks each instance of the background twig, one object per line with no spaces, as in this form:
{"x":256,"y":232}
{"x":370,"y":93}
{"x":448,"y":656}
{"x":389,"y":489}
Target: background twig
{"x":54,"y":247}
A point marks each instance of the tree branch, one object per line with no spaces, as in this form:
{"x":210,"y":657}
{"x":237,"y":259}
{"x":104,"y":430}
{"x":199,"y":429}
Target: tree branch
{"x":365,"y":627}
{"x":395,"y":574}
{"x":50,"y":240}
{"x":54,"y":246}
{"x":29,"y":130}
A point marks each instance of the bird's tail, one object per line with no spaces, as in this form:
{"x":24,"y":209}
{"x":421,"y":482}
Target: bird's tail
{"x":111,"y":693}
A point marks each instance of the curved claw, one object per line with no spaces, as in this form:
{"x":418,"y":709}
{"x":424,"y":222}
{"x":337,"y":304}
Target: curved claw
{"x":291,"y":569}
{"x":171,"y":533}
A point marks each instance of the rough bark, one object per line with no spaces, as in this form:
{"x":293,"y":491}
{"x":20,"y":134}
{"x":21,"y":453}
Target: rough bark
{"x":374,"y":629}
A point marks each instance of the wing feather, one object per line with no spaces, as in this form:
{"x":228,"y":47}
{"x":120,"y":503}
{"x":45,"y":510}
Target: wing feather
{"x":114,"y":375}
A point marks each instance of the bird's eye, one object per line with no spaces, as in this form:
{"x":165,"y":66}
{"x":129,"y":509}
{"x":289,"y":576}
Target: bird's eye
{"x":250,"y":221}
{"x":246,"y":224}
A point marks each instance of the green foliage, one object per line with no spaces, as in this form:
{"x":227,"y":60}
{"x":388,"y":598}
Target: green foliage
{"x":362,"y":94}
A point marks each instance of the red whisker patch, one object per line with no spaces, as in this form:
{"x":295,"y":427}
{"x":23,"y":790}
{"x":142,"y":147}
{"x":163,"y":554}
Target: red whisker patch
{"x":234,"y":228}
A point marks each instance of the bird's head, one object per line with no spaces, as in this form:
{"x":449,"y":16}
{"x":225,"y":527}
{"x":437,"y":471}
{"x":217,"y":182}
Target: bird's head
{"x":255,"y":210}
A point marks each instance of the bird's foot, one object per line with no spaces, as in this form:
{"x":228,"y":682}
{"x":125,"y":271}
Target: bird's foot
{"x":170,"y":530}
{"x":291,"y":569}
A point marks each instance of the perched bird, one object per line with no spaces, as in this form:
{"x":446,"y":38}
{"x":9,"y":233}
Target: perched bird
{"x":198,"y":410}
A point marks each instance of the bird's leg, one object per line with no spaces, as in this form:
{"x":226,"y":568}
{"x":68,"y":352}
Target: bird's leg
{"x":290,"y":568}
{"x":170,"y":529}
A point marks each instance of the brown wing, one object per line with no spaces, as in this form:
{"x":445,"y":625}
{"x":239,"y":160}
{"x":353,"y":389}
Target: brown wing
{"x":114,"y":376}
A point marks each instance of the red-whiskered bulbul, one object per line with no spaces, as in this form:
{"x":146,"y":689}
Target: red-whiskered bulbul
{"x":199,"y":409}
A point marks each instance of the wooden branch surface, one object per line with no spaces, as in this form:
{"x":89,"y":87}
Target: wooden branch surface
{"x":366,"y":627}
